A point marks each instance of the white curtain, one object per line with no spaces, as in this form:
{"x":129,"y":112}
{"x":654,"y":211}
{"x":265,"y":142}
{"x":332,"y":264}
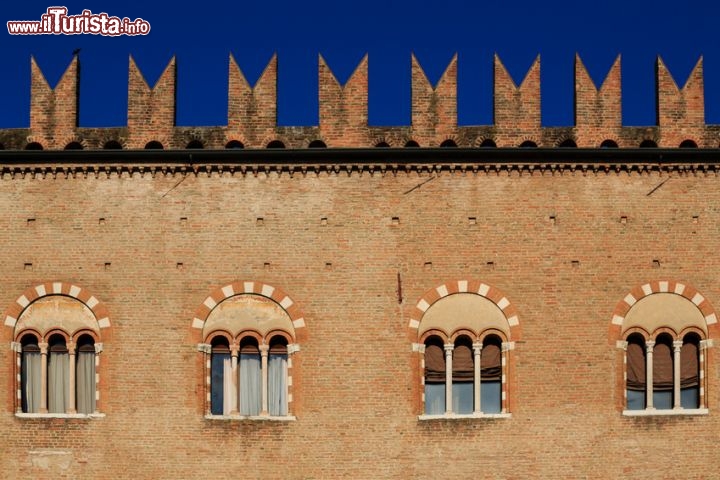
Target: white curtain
{"x":58,"y":382}
{"x":250,"y":384}
{"x":277,"y":384}
{"x":31,"y":382}
{"x":228,"y":390}
{"x":85,"y":379}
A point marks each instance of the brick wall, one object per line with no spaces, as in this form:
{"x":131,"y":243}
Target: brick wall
{"x":356,"y":380}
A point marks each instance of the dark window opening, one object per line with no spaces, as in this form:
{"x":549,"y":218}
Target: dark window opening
{"x":154,"y":145}
{"x":382,"y":144}
{"x":648,"y":144}
{"x":688,"y":144}
{"x":74,"y":146}
{"x":491,"y":375}
{"x":234,"y":144}
{"x":195,"y":144}
{"x":636,"y":379}
{"x":33,"y":146}
{"x":220,"y":369}
{"x":449,"y":143}
{"x":568,"y":143}
{"x":609,"y":144}
{"x":276,"y":144}
{"x":434,"y":376}
{"x":663,"y":372}
{"x":528,"y":144}
{"x":317,"y":144}
{"x":411,"y":144}
{"x":112,"y":145}
{"x":488,"y":143}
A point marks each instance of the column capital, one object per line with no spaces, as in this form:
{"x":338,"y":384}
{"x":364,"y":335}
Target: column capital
{"x":16,"y":347}
{"x":621,"y":344}
{"x":204,"y":347}
{"x":264,"y":349}
{"x":43,"y":348}
{"x":293,"y":348}
{"x":677,"y":345}
{"x":649,"y":345}
{"x":449,"y":347}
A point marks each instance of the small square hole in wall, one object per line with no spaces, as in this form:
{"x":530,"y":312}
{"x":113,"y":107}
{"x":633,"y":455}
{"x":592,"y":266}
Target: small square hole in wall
{"x":427,"y":265}
{"x":28,"y":266}
{"x":180,"y":266}
{"x":266,"y":265}
{"x":107,"y":265}
{"x":395,"y":221}
{"x":30,"y":222}
{"x":259,"y":221}
{"x":623,"y":219}
{"x":552,"y":219}
{"x":183,"y":220}
{"x":575,"y":263}
{"x":695,"y":219}
{"x":472,"y":220}
{"x":656,"y":263}
{"x":490,"y":265}
{"x":101,"y":221}
{"x":328,"y":265}
{"x":323,"y":221}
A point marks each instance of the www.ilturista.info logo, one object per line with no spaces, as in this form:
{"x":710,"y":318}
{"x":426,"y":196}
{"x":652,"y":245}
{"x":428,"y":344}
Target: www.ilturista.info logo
{"x":57,"y":22}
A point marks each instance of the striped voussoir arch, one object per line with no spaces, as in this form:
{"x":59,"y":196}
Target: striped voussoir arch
{"x":475,"y":287}
{"x":32,"y":294}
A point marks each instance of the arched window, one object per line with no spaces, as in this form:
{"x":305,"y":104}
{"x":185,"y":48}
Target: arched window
{"x":153,"y":145}
{"x":74,"y":146}
{"x":112,"y":145}
{"x":434,"y":376}
{"x":317,"y":144}
{"x":56,"y":341}
{"x":85,"y":375}
{"x":648,"y":144}
{"x":382,"y":144}
{"x":528,"y":144}
{"x":276,"y":144}
{"x":662,"y":334}
{"x":448,"y":143}
{"x":464,"y":340}
{"x":488,"y":143}
{"x":250,"y":377}
{"x":411,"y":144}
{"x":609,"y":144}
{"x":34,"y":146}
{"x":220,"y":374}
{"x":688,"y":144}
{"x":30,"y":381}
{"x":195,"y":144}
{"x":568,"y":143}
{"x":277,"y":376}
{"x":250,"y":338}
{"x":234,"y":144}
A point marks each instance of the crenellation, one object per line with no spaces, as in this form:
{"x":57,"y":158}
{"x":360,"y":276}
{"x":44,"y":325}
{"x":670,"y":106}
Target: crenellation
{"x":343,"y":113}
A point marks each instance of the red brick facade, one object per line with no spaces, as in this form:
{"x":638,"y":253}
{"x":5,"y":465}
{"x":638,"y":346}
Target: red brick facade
{"x":355,"y":245}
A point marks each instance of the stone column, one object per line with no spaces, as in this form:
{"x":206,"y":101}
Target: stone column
{"x":677,"y":348}
{"x":264,"y":350}
{"x":649,"y":345}
{"x":449,"y":347}
{"x":477,"y":349}
{"x":43,"y":377}
{"x":71,"y":407}
{"x":235,"y":399}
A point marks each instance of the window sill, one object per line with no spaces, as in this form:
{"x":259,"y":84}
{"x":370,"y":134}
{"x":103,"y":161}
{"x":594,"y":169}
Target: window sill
{"x":262,"y":418}
{"x":76,"y":416}
{"x":653,"y":412}
{"x":457,"y":416}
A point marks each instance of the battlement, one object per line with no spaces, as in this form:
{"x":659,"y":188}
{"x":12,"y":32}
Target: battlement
{"x":343,"y":114}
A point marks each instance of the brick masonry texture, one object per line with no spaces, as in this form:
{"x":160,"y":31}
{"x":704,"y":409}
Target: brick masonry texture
{"x":356,"y":247}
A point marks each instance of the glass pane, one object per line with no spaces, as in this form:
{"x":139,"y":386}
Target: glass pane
{"x":434,"y":398}
{"x":277,"y":388}
{"x":491,"y":397}
{"x":462,"y":397}
{"x":690,"y":397}
{"x":250,"y":384}
{"x":663,"y":400}
{"x":216,"y":382}
{"x":635,"y":400}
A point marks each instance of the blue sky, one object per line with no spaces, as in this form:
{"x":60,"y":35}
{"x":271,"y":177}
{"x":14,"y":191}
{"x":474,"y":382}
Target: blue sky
{"x":202,"y":35}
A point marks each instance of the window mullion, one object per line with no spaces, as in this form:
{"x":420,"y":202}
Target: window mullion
{"x":264,"y":349}
{"x":448,"y":376}
{"x":71,"y":407}
{"x":43,"y":377}
{"x":677,"y":347}
{"x":477,"y":349}
{"x":649,"y":345}
{"x":234,"y":349}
